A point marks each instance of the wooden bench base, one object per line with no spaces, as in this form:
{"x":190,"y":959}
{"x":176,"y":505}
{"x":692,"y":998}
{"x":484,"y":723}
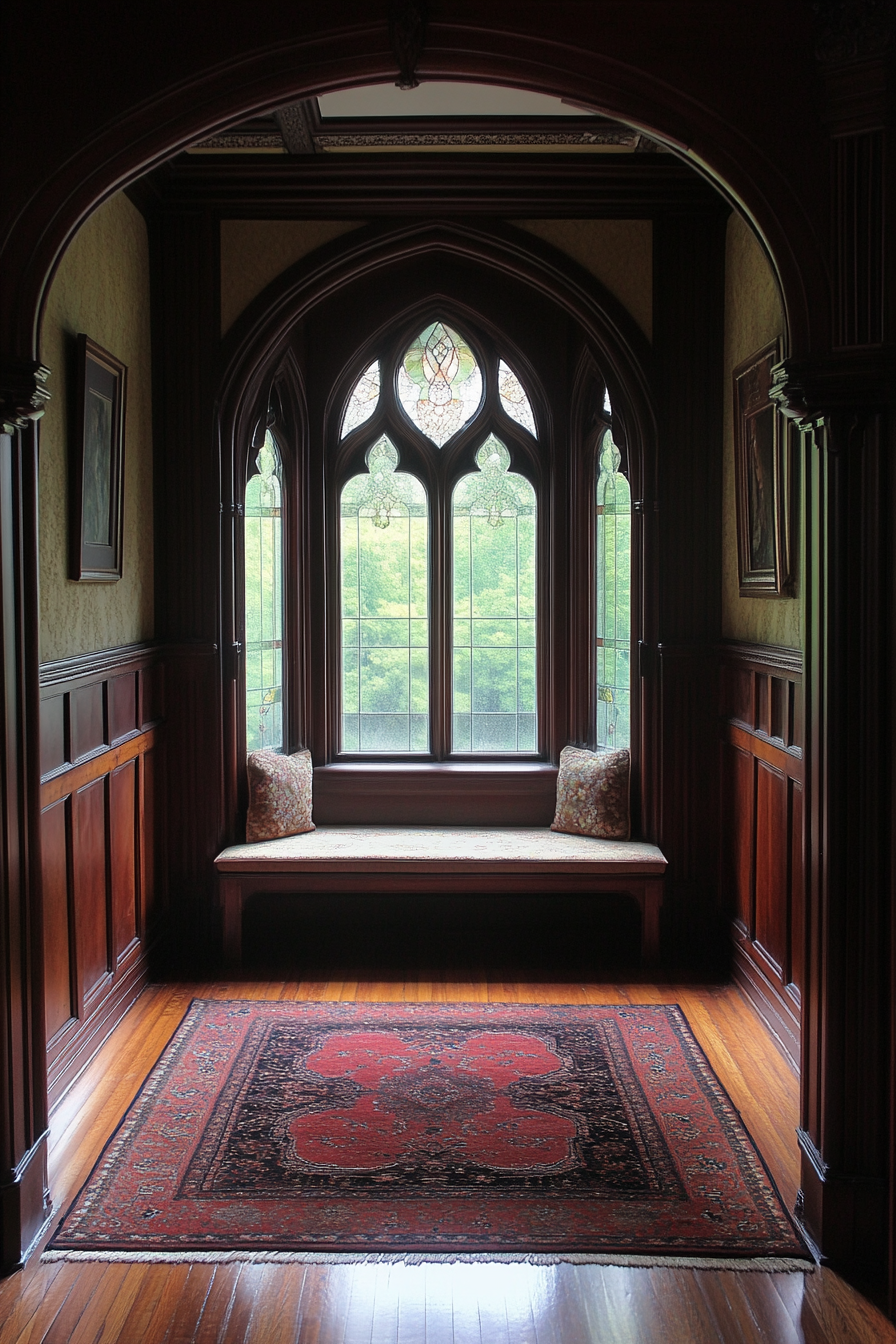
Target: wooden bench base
{"x":449,"y":860}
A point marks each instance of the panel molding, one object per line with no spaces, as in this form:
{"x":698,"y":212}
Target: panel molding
{"x":99,"y":865}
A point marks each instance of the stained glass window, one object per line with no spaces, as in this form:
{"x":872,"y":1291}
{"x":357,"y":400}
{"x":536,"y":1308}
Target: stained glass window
{"x":513,"y":397}
{"x":493,"y":690}
{"x":363,"y":400}
{"x":385,"y":608}
{"x":439,"y":382}
{"x":264,"y":601}
{"x":613,"y":575}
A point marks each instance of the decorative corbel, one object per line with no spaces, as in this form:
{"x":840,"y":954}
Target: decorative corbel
{"x":23,"y":395}
{"x":407,"y":30}
{"x":295,"y":123}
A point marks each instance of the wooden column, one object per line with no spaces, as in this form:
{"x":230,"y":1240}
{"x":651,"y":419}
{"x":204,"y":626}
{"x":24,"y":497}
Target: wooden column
{"x":24,"y":1194}
{"x":685,"y":517}
{"x":186,"y":331}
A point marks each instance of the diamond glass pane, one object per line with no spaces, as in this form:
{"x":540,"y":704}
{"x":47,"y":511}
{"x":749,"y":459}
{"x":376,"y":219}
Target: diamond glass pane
{"x":514,"y":399}
{"x":385,"y":609}
{"x":363,"y":400}
{"x":264,"y":602}
{"x":494,"y":565}
{"x":439,"y":382}
{"x":613,"y":576}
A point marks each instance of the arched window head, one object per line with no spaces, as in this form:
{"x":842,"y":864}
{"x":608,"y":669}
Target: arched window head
{"x":439,"y":382}
{"x":363,"y":401}
{"x":263,"y":565}
{"x":513,"y":397}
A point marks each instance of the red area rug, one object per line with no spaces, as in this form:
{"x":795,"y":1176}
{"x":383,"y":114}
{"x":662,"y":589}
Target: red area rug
{"x":278,"y":1130}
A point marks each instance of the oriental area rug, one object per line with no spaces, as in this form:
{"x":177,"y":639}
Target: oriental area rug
{"x":352,"y":1131}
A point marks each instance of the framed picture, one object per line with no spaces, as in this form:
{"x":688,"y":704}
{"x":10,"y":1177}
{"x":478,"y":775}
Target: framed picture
{"x":97,"y":486}
{"x":762,"y":480}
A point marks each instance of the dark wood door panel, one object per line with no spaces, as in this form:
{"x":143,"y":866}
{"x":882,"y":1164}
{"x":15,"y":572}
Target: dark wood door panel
{"x":88,"y":730}
{"x":89,"y":858}
{"x":797,"y":904}
{"x":123,"y":704}
{"x":60,"y":1003}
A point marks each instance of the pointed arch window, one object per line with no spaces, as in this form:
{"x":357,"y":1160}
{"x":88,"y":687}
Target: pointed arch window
{"x":263,"y":599}
{"x":613,"y":596}
{"x":438,"y":545}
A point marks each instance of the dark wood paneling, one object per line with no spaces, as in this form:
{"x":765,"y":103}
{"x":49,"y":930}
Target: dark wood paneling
{"x":52,"y":734}
{"x":425,"y":796}
{"x":87,"y":720}
{"x":738,"y":828}
{"x":89,"y":806}
{"x":123,"y":716}
{"x":124,"y":849}
{"x":772,"y":853}
{"x":762,"y":835}
{"x":99,"y":848}
{"x":60,"y":1002}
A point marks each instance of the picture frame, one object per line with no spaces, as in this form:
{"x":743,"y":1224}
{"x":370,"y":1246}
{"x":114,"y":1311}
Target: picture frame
{"x":762,"y":480}
{"x":97,"y":467}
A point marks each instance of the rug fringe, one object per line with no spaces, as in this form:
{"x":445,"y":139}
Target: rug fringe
{"x":756,"y":1264}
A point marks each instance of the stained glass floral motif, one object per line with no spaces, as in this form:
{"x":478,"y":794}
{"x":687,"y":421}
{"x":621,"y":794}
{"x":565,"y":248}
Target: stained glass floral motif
{"x":363,"y":400}
{"x":493,"y":694}
{"x":514,"y":399}
{"x":385,"y":608}
{"x":439,"y":382}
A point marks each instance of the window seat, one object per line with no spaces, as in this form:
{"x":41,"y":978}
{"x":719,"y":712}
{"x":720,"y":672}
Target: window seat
{"x":440,"y":859}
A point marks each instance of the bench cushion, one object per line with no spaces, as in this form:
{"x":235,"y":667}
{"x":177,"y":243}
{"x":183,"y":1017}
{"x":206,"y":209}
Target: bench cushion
{"x":443,"y":849}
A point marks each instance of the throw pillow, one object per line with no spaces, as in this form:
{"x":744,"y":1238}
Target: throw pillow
{"x":593,"y":793}
{"x":279,"y":794}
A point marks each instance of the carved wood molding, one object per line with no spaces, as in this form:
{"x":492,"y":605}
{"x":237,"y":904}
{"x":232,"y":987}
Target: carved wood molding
{"x":851,"y":30}
{"x":99,"y":663}
{"x":407,"y":32}
{"x":851,"y":382}
{"x":23,"y":395}
{"x":766,"y":656}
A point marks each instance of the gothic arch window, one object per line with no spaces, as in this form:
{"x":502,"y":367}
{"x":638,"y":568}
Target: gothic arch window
{"x":263,"y":598}
{"x":437,"y":482}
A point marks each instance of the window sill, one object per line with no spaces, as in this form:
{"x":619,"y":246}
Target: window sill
{"x":487,"y":793}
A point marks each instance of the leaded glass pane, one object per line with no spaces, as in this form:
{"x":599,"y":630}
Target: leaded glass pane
{"x":494,"y":658}
{"x":263,"y":549}
{"x":514,"y":399}
{"x":613,"y":574}
{"x":363,"y":400}
{"x":385,"y":608}
{"x":439,"y":382}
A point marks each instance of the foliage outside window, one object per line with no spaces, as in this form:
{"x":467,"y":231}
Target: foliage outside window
{"x":263,"y":563}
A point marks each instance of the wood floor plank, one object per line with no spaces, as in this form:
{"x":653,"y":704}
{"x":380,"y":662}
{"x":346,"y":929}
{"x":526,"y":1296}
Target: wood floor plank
{"x":395,"y":1303}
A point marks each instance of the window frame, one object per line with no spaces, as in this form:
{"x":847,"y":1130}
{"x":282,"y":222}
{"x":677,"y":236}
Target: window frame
{"x":439,"y":470}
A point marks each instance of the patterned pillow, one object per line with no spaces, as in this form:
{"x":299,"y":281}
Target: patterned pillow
{"x":279,"y":794}
{"x":593,"y":793}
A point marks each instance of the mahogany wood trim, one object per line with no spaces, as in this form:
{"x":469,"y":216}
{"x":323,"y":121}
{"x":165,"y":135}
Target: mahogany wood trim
{"x":764,"y":748}
{"x":73,"y":777}
{"x":765,"y":656}
{"x":778,"y":1015}
{"x":97,"y":665}
{"x":346,"y":185}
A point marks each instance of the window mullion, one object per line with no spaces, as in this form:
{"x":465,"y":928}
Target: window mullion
{"x":440,"y":635}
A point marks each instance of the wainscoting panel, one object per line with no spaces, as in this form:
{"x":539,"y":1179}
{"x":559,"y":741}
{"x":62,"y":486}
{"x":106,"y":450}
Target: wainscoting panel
{"x":101,"y":725}
{"x":762,"y":868}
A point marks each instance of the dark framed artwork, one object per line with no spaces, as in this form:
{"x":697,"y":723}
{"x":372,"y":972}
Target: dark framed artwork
{"x":97,"y":521}
{"x":762,"y":481}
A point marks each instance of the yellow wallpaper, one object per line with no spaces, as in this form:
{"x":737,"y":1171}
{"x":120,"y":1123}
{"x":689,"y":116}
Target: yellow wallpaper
{"x":255,"y":251}
{"x":101,"y":288}
{"x":618,"y":252}
{"x":754,"y":316}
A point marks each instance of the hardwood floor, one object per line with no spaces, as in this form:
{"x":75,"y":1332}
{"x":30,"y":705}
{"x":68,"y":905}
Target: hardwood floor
{"x":495,"y":1304}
